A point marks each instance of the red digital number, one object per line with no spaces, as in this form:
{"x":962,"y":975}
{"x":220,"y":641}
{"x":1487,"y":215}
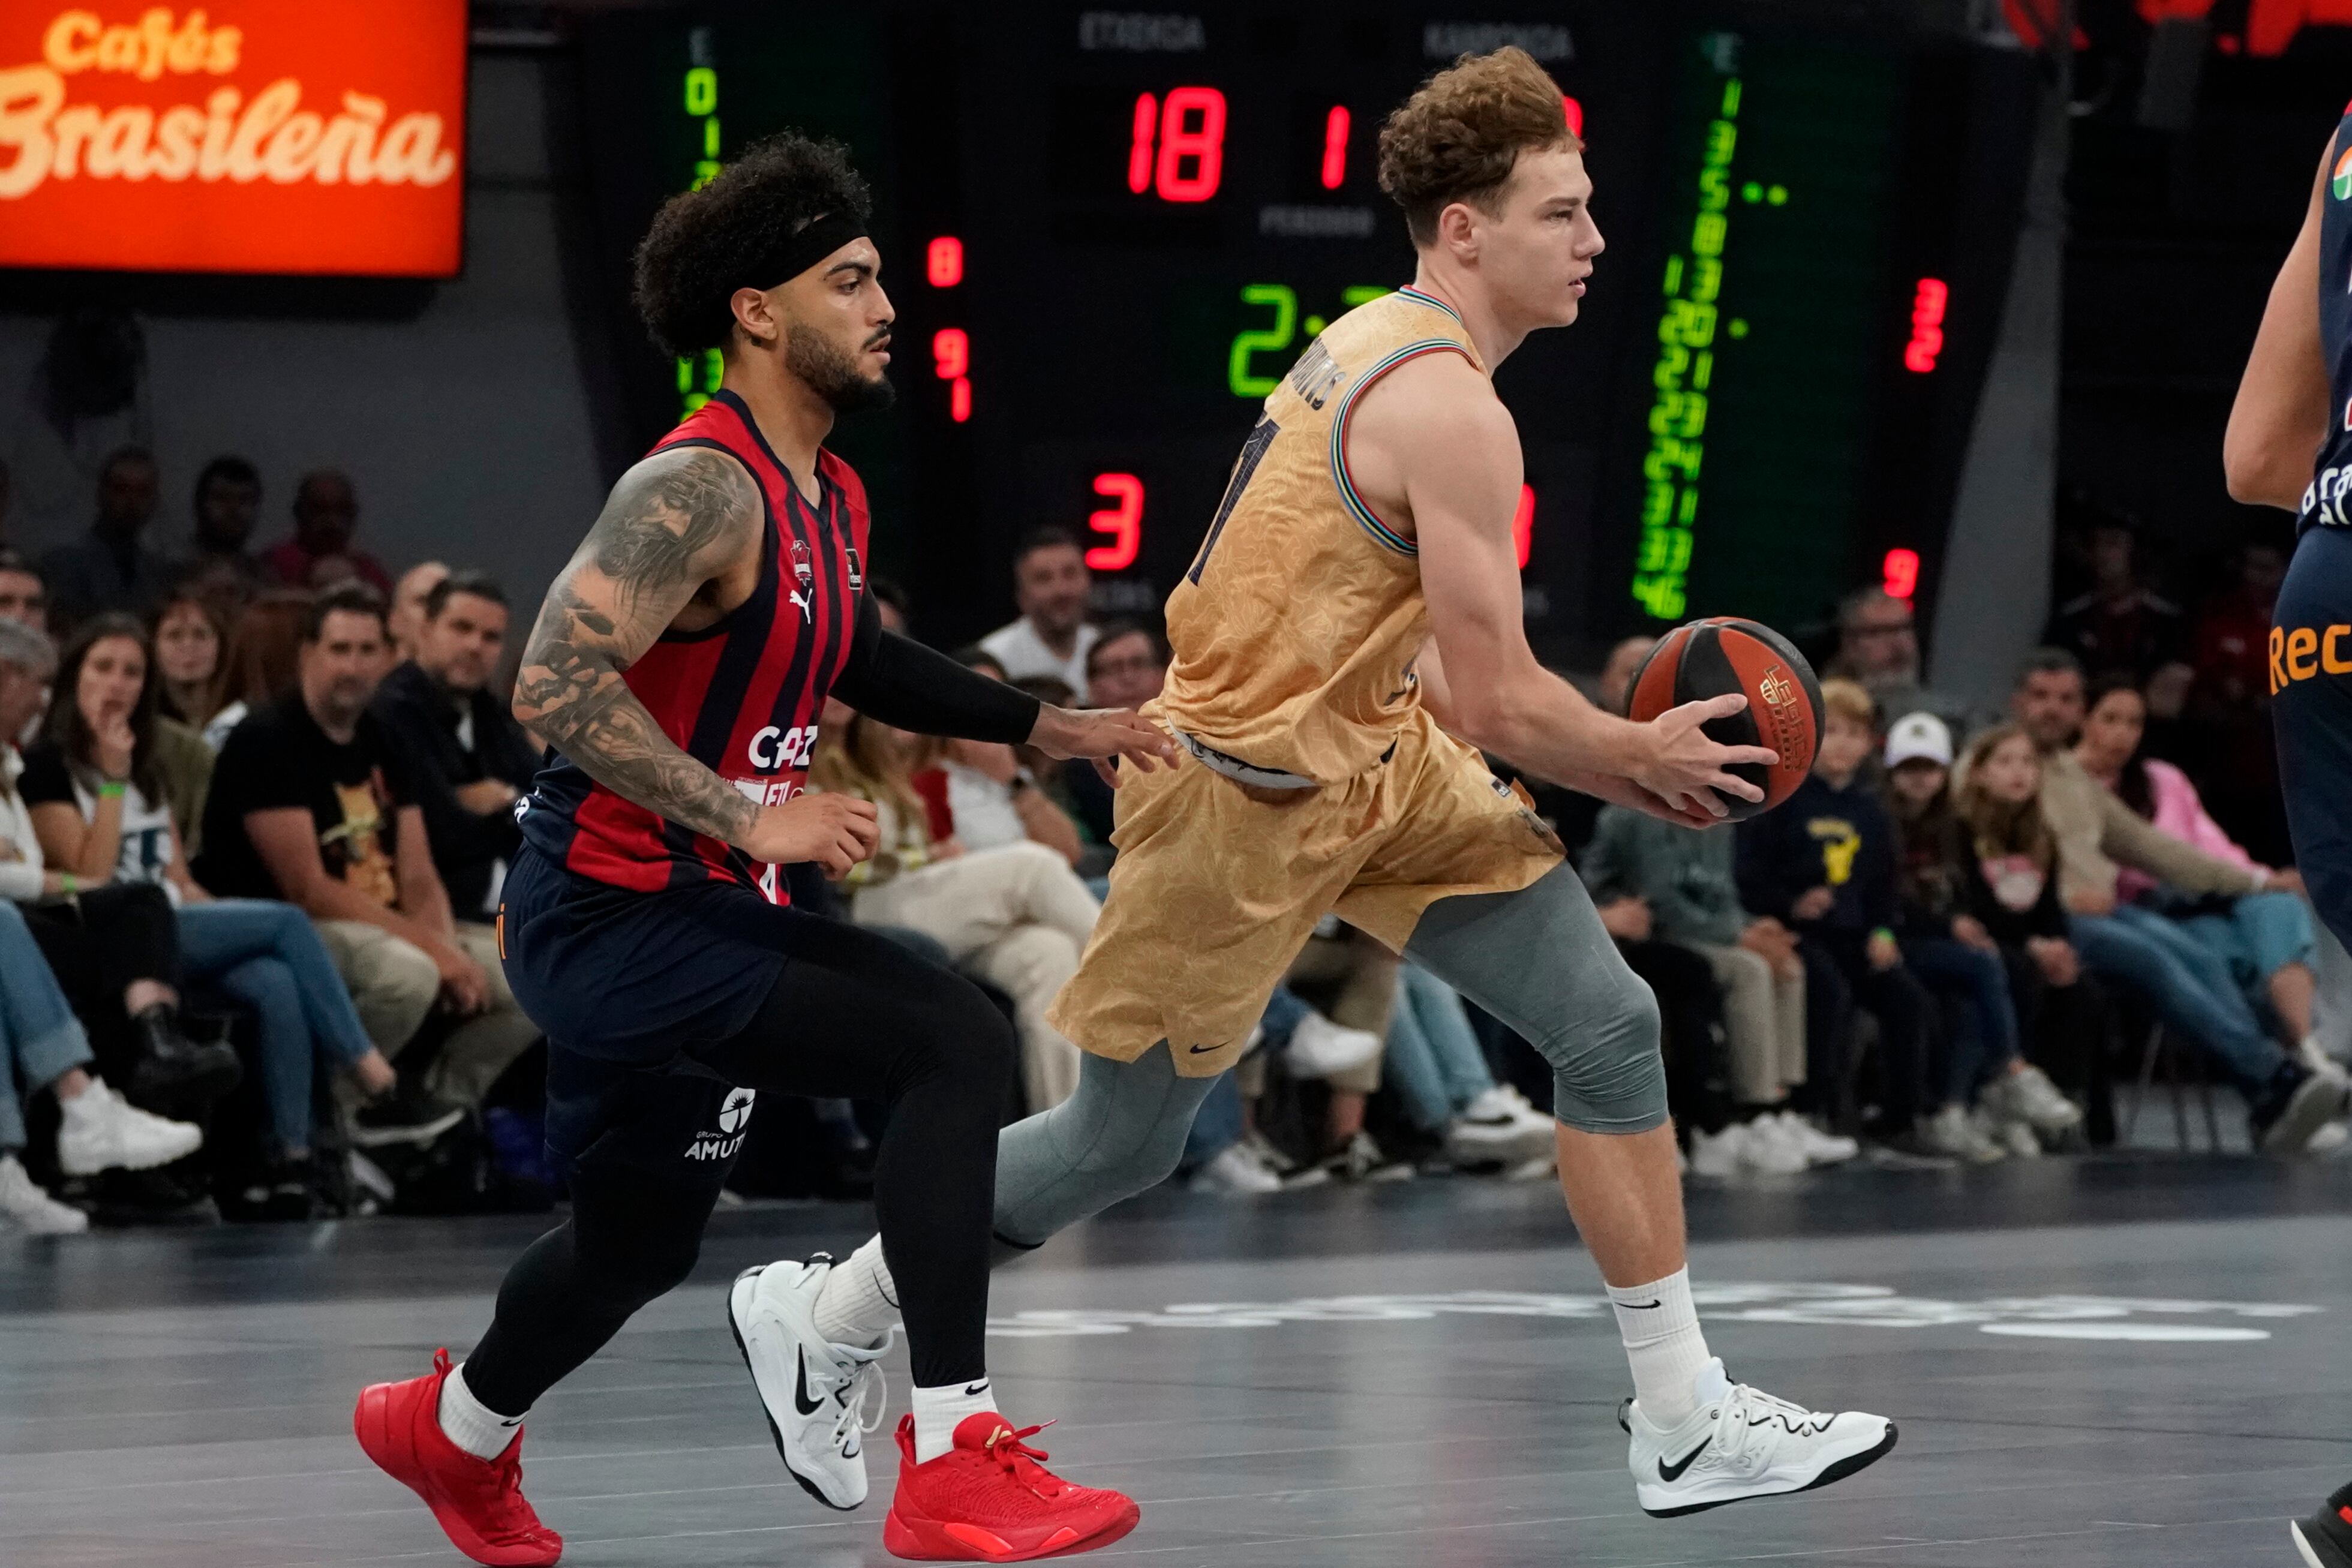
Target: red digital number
{"x":1928,"y":303}
{"x":950,"y":353}
{"x":1123,"y":522}
{"x":1335,"y":147}
{"x":1523,"y":524}
{"x":1900,"y":573}
{"x":1190,"y":126}
{"x":1575,"y":113}
{"x":943,"y":262}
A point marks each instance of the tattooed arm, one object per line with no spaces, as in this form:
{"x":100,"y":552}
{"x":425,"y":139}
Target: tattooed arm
{"x":677,"y":522}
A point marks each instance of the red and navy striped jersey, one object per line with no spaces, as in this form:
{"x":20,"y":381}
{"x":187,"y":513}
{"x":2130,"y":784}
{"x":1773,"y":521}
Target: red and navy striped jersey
{"x":742,"y":696}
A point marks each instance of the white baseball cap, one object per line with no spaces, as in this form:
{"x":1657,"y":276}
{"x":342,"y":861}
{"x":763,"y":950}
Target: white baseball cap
{"x":1918,"y":738}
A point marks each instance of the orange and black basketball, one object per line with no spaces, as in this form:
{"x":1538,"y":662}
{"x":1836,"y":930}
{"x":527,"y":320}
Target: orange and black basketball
{"x":1707,"y":658}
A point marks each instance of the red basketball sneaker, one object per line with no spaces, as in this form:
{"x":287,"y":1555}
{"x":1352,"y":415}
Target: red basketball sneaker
{"x":988,"y":1500}
{"x":478,"y":1502}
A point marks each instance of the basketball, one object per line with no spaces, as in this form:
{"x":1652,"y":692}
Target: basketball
{"x":1709,"y":658}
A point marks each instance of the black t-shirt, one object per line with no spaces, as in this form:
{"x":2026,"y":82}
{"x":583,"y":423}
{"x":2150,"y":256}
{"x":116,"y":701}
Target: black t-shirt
{"x":279,"y":758}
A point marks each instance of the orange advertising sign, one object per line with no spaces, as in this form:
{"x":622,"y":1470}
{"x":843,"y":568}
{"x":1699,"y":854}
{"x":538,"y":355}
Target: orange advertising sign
{"x":317,"y":136}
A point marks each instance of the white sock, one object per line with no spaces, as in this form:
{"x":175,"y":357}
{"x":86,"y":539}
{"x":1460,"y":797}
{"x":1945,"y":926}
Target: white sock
{"x":472,"y":1425}
{"x":858,"y":1302}
{"x":1660,"y":1328}
{"x":938,"y":1411}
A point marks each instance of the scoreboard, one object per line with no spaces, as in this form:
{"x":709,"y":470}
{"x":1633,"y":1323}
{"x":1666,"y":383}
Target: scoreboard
{"x":1108,"y":233}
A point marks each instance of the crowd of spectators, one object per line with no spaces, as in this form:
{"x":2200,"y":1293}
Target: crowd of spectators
{"x":257,"y":809}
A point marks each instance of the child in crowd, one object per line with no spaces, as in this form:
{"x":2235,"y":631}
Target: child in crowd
{"x":1949,"y":949}
{"x":1825,"y":865}
{"x":2012,"y":890}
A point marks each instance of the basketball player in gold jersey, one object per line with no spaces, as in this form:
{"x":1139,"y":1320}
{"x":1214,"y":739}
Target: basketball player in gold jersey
{"x":1347,"y":637}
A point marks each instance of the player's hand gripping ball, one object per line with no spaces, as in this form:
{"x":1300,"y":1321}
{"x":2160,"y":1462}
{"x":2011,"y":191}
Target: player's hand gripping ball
{"x":1723,"y":653}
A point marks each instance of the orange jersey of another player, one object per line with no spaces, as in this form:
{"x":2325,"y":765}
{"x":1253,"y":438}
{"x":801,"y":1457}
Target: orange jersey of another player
{"x":1296,"y":629}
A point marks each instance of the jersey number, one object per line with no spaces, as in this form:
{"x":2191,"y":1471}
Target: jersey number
{"x":1260,"y":438}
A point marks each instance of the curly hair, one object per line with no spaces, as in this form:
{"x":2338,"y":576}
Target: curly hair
{"x":1457,"y":137}
{"x":705,"y":244}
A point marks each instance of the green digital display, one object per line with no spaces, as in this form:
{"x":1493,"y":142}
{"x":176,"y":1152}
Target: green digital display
{"x":699,"y":374}
{"x":1253,"y":377}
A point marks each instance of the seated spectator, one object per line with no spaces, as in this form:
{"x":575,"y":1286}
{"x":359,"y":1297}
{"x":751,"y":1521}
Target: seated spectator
{"x":1225,"y":1151}
{"x":1440,"y":1076}
{"x":2093,"y":830}
{"x":992,"y":796}
{"x":2119,"y":627}
{"x":227,"y":508}
{"x":468,"y":760}
{"x":1017,"y":915}
{"x":407,"y":618}
{"x":1683,"y":881}
{"x":2012,"y":892}
{"x":1690,"y":1023}
{"x":1050,"y":585}
{"x":190,"y":642}
{"x":42,"y":1047}
{"x":1878,"y":650}
{"x":310,"y":803}
{"x":321,"y":553}
{"x":2265,"y":939}
{"x":113,"y":949}
{"x":23,"y":597}
{"x":1951,"y":950}
{"x":113,"y":568}
{"x":1354,"y":979}
{"x":94,"y":791}
{"x":1126,"y":666}
{"x":1825,"y":865}
{"x":264,"y":648}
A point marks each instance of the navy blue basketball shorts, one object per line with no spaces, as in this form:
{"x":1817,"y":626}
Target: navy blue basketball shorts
{"x":627,"y":985}
{"x":2311,"y":708}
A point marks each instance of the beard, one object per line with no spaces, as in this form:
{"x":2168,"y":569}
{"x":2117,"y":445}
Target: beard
{"x":832,"y":373}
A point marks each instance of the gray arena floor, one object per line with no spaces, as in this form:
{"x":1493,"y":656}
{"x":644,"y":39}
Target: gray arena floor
{"x":1416,"y":1374}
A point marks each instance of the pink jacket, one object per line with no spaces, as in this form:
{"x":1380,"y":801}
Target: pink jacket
{"x":2180,"y":815}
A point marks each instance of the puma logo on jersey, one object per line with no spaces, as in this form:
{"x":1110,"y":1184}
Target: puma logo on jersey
{"x":808,"y":613}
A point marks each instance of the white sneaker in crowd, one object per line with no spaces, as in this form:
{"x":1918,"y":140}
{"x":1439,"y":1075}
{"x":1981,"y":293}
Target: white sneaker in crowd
{"x":1235,"y":1171}
{"x":2016,"y":1139}
{"x":1722,"y":1156}
{"x":1953,"y":1132}
{"x":2329,"y":1142}
{"x":2027,"y":1095}
{"x":25,"y":1208}
{"x":1774,"y":1149}
{"x":1497,"y":1126}
{"x":1819,"y":1148}
{"x":102,"y":1131}
{"x":1742,"y":1443}
{"x":1319,"y":1047}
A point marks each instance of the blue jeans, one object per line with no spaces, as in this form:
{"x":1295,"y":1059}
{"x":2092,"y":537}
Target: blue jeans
{"x":268,"y":955}
{"x":2261,"y":934}
{"x":1432,"y":1056}
{"x":40,"y":1039}
{"x":2190,"y":988}
{"x":1989,"y":1041}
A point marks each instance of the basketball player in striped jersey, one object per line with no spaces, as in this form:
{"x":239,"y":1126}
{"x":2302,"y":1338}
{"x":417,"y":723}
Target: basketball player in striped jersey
{"x":679,"y":669}
{"x":1354,"y":609}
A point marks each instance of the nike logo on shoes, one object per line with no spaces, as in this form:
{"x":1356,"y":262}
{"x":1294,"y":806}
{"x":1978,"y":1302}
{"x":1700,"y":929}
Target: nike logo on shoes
{"x":1673,"y":1472}
{"x":801,"y":1400}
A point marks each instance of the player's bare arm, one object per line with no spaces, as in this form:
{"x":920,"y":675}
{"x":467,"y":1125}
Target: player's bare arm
{"x":681,"y":528}
{"x":2281,"y":414}
{"x":1438,"y":458}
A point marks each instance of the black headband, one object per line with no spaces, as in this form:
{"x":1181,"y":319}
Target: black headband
{"x":805,"y":248}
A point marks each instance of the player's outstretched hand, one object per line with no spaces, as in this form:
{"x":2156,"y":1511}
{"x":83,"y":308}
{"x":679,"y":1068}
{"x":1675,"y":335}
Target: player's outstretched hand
{"x":837,"y":831}
{"x":1685,"y":769}
{"x":1105,"y":735}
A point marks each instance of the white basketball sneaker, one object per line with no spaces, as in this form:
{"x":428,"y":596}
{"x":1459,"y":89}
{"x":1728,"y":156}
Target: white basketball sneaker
{"x":1741,"y":1443}
{"x":814,"y":1393}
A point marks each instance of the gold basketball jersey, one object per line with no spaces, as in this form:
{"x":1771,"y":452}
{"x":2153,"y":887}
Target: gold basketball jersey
{"x":1295,"y":629}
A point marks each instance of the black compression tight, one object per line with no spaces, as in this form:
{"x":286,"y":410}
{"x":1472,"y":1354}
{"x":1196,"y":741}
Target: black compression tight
{"x":852,"y":1015}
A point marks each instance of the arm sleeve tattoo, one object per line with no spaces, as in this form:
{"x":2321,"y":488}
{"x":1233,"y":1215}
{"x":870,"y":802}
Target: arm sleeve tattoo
{"x":674,"y":521}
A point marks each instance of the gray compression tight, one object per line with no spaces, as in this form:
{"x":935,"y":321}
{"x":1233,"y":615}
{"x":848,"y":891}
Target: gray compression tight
{"x":1538,"y":959}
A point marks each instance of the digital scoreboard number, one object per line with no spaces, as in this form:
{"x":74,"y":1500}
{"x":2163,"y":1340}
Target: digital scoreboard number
{"x":1109,"y":234}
